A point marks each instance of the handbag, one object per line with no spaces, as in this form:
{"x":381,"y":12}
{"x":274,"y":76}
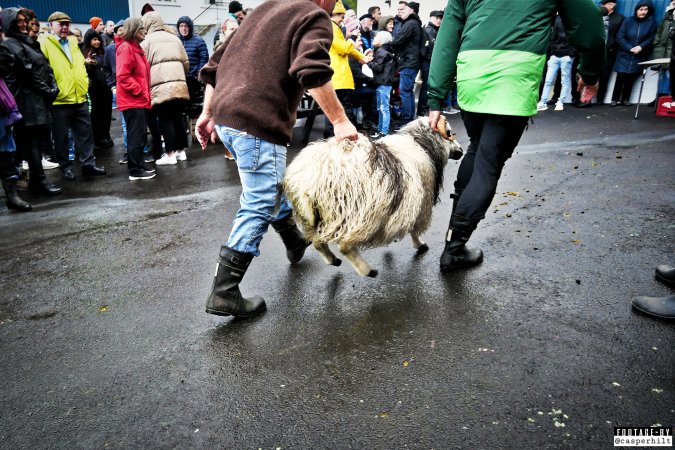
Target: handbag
{"x":7,"y":101}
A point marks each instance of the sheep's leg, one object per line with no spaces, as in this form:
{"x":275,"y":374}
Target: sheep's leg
{"x":326,"y":254}
{"x":419,"y":244}
{"x":360,"y":264}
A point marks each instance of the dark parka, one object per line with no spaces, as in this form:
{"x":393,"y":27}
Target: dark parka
{"x":195,"y":47}
{"x":663,"y":43}
{"x":406,"y":43}
{"x":615,"y":21}
{"x":31,"y":79}
{"x":632,"y":33}
{"x":560,"y":43}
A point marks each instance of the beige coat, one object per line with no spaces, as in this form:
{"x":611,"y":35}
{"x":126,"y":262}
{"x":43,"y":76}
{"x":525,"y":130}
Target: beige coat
{"x":168,"y":61}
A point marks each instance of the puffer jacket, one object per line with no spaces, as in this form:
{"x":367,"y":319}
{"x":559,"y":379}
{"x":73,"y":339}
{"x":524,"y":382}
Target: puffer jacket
{"x":407,"y":42}
{"x":30,"y":78}
{"x":341,"y":50}
{"x":168,"y":61}
{"x":634,"y":32}
{"x":498,"y":53}
{"x":195,"y":47}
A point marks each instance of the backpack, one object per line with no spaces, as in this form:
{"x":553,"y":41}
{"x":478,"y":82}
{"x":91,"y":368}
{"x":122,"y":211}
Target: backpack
{"x":425,"y":45}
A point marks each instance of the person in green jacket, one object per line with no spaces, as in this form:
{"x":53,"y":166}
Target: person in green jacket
{"x":498,"y":55}
{"x":663,"y":46}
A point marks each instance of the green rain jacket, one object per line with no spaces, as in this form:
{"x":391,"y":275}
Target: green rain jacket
{"x":497,"y":50}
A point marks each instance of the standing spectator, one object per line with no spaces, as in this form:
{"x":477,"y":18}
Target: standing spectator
{"x":70,"y":107}
{"x":431,"y":30}
{"x":341,"y":50}
{"x":398,"y":19}
{"x":227,"y":28}
{"x":75,"y":32}
{"x":634,"y":39}
{"x":498,"y":64}
{"x":383,"y":66}
{"x":363,"y":98}
{"x":562,"y":55}
{"x":169,"y":91}
{"x":663,"y":45}
{"x":194,"y":45}
{"x":133,"y":94}
{"x":97,"y":24}
{"x":32,"y":83}
{"x":236,"y":10}
{"x":108,"y":33}
{"x":376,"y":12}
{"x":406,"y":44}
{"x":612,"y":20}
{"x":386,"y":23}
{"x":367,"y":33}
{"x":100,"y":95}
{"x":246,"y":116}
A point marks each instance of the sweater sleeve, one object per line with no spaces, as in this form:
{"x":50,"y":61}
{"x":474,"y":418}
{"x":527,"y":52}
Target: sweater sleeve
{"x":309,"y":58}
{"x":444,"y":59}
{"x":586,"y":31}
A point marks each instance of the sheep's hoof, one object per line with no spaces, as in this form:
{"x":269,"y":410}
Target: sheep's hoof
{"x":336,"y":262}
{"x":373,"y":273}
{"x":422,"y":248}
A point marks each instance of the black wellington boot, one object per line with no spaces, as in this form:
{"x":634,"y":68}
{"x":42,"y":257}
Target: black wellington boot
{"x":457,"y":255}
{"x":225,"y":298}
{"x":13,"y":200}
{"x":292,"y":238}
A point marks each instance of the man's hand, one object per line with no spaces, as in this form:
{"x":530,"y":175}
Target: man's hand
{"x":345,"y":130}
{"x":587,"y":92}
{"x":205,"y":130}
{"x":434,"y":116}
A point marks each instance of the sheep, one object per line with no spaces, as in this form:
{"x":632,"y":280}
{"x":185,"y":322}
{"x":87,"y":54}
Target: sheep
{"x":362,"y":194}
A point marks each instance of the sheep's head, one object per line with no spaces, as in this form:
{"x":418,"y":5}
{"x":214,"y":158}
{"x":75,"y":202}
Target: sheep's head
{"x":447,"y":133}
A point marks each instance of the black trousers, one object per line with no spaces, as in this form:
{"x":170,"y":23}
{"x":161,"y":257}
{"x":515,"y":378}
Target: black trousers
{"x":75,"y":117}
{"x":101,"y":113}
{"x":345,"y":97}
{"x":137,"y":125}
{"x":171,"y":125}
{"x":604,"y":76}
{"x":29,"y":148}
{"x":493,"y":139}
{"x":624,"y":86}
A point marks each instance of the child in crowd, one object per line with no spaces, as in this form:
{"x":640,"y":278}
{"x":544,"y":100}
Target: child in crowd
{"x":383,"y":66}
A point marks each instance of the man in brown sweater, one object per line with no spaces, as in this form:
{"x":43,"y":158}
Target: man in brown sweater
{"x":254,"y":84}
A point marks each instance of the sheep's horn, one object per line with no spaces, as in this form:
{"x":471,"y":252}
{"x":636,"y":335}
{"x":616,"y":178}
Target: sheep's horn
{"x":443,"y":129}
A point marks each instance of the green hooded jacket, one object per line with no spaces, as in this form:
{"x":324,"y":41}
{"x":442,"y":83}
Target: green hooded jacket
{"x":497,"y":51}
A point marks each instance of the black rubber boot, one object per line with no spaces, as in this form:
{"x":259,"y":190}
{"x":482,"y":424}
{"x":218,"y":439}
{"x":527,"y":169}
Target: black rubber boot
{"x":666,"y":275}
{"x":456,"y":254}
{"x":292,"y":238}
{"x":13,"y":200}
{"x":225,"y":298}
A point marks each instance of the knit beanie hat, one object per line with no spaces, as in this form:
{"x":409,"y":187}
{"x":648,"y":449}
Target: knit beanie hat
{"x":414,"y":6}
{"x":235,"y":6}
{"x":94,"y":21}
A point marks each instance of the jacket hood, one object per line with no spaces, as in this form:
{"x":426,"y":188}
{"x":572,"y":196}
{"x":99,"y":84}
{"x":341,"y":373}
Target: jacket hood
{"x":188,"y":21}
{"x":153,"y":21}
{"x":647,"y":3}
{"x":9,"y":21}
{"x":382,"y":23}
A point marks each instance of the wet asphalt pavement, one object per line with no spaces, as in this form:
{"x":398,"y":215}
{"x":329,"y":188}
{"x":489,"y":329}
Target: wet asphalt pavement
{"x":104,"y":341}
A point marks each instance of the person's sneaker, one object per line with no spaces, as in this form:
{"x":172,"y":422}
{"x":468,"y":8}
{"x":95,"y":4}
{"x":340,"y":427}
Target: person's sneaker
{"x":46,"y":164}
{"x":558,"y":107}
{"x":541,"y":107}
{"x":23,"y":183}
{"x":375,"y":135}
{"x":124,"y":159}
{"x":166,"y":160}
{"x":145,"y":175}
{"x":149,"y":159}
{"x":181,"y":156}
{"x":148,"y":169}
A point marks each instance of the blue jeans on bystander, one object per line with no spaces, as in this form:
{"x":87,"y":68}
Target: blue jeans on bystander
{"x":383,"y":93}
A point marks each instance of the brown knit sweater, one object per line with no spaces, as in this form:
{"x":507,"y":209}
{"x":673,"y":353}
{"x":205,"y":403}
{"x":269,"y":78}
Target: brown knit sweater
{"x":262,"y":70}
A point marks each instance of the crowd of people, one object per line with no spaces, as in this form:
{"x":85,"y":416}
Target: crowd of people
{"x":378,"y":63}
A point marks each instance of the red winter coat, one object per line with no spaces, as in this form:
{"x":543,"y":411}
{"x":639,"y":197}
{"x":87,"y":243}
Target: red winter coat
{"x":133,"y":77}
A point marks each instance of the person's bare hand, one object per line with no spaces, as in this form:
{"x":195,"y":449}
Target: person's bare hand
{"x":587,"y":91}
{"x":345,"y":130}
{"x":434,"y":116}
{"x":205,"y":129}
{"x":635,"y":50}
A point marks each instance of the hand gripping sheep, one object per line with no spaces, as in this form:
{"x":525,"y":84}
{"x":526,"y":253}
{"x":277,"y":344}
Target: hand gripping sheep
{"x":367,"y":194}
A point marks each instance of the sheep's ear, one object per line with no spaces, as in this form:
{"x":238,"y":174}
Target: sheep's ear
{"x":443,"y":128}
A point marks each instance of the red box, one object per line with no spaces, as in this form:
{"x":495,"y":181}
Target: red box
{"x":665,"y":106}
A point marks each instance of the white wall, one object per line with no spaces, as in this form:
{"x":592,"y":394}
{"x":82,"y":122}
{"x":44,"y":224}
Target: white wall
{"x":426,"y":6}
{"x":172,"y":10}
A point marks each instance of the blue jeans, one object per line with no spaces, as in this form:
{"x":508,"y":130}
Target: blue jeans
{"x":664,"y":82}
{"x":383,"y":93}
{"x":563,"y":64}
{"x":406,"y":86}
{"x":261,"y":167}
